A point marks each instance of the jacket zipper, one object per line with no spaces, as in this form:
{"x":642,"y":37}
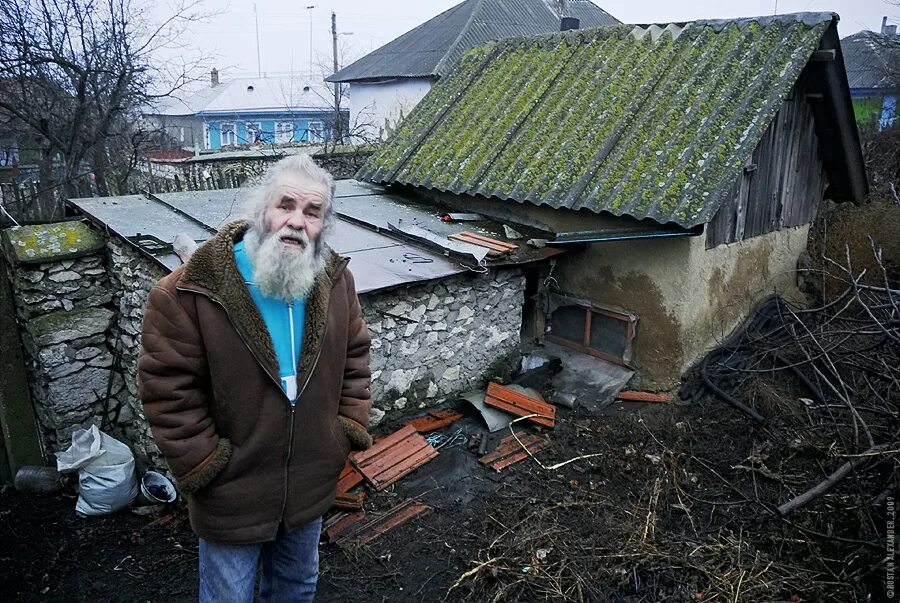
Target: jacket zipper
{"x":312,"y":370}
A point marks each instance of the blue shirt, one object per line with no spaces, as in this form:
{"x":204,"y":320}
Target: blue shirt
{"x":284,"y":321}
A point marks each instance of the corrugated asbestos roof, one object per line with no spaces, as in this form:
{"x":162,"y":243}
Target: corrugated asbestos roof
{"x":652,"y":121}
{"x":873,"y":60}
{"x":433,"y":47}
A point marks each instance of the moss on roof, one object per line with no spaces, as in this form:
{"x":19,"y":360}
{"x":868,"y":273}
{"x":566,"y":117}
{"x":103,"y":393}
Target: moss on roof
{"x":47,"y":242}
{"x":646,"y":122}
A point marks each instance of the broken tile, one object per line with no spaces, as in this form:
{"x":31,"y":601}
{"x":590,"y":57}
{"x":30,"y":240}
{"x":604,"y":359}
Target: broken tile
{"x":434,"y":420}
{"x":509,"y":451}
{"x":392,"y":457}
{"x":519,"y":404}
{"x":382,"y":523}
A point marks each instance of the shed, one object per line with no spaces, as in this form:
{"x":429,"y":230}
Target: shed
{"x":873,"y":71}
{"x":687,"y":159}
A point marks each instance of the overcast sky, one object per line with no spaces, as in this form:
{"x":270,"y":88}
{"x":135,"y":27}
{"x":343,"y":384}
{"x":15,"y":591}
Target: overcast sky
{"x":284,"y":27}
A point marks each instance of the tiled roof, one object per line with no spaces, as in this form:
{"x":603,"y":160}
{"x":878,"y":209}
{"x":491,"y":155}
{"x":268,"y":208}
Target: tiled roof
{"x":433,"y":47}
{"x":873,"y":60}
{"x":652,"y":121}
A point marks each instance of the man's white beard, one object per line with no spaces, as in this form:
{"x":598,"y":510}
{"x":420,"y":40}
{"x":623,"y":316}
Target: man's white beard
{"x":280,"y":270}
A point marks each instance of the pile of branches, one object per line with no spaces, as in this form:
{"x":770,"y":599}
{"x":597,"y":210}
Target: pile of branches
{"x":785,"y":497}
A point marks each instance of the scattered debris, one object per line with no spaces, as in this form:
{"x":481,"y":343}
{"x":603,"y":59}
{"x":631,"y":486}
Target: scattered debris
{"x":349,"y":478}
{"x":393,"y":457}
{"x":434,"y":420}
{"x":511,"y":450}
{"x":496,"y":247}
{"x":520,"y":404}
{"x":360,"y":531}
{"x":637,"y":396}
{"x":462,"y":217}
{"x":337,"y":523}
{"x":511,"y":233}
{"x":493,"y":418}
{"x":349,"y":501}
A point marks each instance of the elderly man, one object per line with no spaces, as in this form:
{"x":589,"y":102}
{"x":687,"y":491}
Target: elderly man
{"x":254,"y":377}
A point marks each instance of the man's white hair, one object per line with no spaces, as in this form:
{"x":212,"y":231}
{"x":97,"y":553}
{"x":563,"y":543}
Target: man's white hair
{"x":300,"y":165}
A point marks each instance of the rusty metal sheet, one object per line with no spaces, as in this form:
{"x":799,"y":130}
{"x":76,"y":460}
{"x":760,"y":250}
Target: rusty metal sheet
{"x":378,"y":261}
{"x":519,"y":404}
{"x":393,"y":457}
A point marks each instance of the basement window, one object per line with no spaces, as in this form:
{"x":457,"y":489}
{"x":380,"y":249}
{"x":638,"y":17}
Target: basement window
{"x":591,"y":328}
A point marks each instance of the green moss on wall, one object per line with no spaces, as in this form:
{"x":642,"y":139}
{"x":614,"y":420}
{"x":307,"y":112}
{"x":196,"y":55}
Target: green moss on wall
{"x":48,"y":242}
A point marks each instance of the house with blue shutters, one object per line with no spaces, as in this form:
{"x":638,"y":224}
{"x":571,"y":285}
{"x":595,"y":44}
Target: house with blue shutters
{"x":248,"y":111}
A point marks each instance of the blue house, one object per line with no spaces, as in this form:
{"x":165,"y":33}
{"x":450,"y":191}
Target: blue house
{"x":246,"y":111}
{"x":873,"y":72}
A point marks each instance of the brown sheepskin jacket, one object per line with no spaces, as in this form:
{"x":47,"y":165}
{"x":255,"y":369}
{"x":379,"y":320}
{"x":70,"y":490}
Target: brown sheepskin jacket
{"x":208,"y":380}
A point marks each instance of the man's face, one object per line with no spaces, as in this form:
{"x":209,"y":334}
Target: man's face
{"x":297,"y":206}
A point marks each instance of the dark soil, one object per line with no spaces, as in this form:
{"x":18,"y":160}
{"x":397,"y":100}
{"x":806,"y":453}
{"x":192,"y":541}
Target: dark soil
{"x":671,"y":511}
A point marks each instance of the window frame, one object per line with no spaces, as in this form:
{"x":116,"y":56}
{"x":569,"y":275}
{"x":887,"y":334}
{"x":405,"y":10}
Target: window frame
{"x":584,"y":346}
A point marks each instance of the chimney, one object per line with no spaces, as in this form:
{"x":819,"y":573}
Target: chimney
{"x":214,"y":77}
{"x":567,"y":23}
{"x":888,"y":30}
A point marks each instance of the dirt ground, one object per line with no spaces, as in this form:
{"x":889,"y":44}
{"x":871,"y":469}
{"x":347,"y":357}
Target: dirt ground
{"x":673,"y":509}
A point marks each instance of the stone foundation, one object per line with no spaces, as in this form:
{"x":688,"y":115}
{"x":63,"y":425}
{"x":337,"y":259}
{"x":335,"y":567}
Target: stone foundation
{"x":433,"y":339}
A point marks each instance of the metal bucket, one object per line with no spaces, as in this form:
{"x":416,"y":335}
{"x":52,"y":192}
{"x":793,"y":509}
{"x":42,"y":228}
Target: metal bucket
{"x":157,"y":489}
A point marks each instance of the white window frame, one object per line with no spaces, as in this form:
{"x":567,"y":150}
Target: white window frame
{"x":231,"y":128}
{"x":316,"y":131}
{"x":253,"y":126}
{"x":283,"y":128}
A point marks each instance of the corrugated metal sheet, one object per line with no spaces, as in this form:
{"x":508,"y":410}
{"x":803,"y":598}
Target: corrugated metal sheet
{"x":651,"y":122}
{"x":872,"y":60}
{"x":432,"y":48}
{"x":378,"y":261}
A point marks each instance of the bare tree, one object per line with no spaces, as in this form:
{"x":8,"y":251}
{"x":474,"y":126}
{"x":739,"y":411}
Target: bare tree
{"x":75,"y":76}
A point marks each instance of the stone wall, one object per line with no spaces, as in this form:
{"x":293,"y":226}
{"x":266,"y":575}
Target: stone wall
{"x":82,"y":321}
{"x":132,"y":276}
{"x":430,"y":340}
{"x":64,"y":306}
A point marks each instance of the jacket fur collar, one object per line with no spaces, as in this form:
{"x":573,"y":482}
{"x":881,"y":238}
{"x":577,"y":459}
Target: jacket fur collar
{"x":212,"y":271}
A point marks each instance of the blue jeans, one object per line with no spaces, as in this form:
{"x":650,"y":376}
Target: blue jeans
{"x":289,"y":564}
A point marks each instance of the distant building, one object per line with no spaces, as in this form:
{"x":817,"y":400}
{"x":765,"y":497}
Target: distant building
{"x":388,"y":82}
{"x":873,"y":71}
{"x":243,"y":111}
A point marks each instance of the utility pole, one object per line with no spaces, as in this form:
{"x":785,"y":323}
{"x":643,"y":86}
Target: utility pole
{"x":258,"y":60}
{"x":309,"y":9}
{"x":337,"y":86}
